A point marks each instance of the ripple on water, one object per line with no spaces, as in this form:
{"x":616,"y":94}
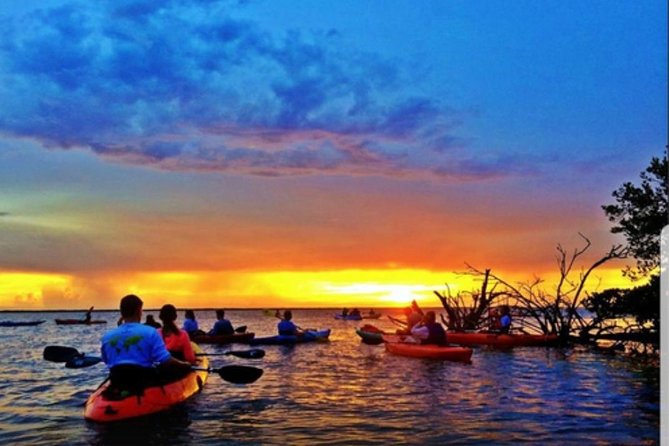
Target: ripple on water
{"x":343,"y":392}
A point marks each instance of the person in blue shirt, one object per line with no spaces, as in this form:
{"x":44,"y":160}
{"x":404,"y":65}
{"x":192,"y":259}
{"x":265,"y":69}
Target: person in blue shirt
{"x":505,"y":320}
{"x":286,"y":327}
{"x":222,"y":325}
{"x":135,"y":353}
{"x":190,"y":324}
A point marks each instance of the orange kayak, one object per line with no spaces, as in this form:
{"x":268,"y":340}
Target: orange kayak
{"x":500,"y":340}
{"x":155,"y":399}
{"x":428,"y":351}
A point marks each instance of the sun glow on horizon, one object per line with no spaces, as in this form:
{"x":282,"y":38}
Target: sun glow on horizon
{"x":257,"y":289}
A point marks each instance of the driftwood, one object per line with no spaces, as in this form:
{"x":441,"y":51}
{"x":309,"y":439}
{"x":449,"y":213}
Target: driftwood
{"x":470,"y":312}
{"x":534,"y":308}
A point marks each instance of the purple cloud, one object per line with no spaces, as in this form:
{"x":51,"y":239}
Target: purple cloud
{"x":185,"y":85}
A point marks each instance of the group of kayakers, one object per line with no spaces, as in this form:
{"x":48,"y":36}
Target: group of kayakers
{"x":425,"y":328}
{"x":133,"y":348}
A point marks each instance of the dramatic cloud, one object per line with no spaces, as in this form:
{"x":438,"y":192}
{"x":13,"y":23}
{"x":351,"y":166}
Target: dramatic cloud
{"x":187,"y":86}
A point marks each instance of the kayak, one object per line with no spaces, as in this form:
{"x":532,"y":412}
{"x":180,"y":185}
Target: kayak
{"x":309,"y":336}
{"x":500,"y":340}
{"x":241,"y":338}
{"x":429,"y":351}
{"x":155,"y":399}
{"x":370,"y":334}
{"x":20,"y":323}
{"x":78,"y":322}
{"x":349,"y":317}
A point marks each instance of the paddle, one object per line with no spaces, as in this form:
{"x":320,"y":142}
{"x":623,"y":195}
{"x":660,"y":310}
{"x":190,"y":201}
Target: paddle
{"x":56,"y":353}
{"x":74,"y":359}
{"x":236,"y":374}
{"x":254,"y":353}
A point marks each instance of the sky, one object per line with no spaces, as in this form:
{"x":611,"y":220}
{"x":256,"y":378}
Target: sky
{"x":266,"y":154}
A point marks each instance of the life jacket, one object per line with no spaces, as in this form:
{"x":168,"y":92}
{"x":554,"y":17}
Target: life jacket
{"x":437,"y":335}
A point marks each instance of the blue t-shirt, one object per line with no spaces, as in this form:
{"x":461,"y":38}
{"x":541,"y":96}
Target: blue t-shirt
{"x":190,"y":325}
{"x":135,"y":344}
{"x":287,"y":328}
{"x":222,"y":327}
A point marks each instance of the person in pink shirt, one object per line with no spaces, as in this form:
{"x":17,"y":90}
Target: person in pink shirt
{"x":176,"y":340}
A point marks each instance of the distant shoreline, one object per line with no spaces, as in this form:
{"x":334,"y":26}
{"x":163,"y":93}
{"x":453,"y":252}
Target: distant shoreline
{"x":115,"y":310}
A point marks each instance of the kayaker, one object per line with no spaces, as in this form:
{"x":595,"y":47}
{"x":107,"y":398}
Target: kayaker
{"x":222,"y":326}
{"x":412,"y":318}
{"x":429,"y":331}
{"x":355,"y":313}
{"x":132,"y":350}
{"x":286,"y":327}
{"x":151,"y":322}
{"x":190,"y":324}
{"x":505,"y":319}
{"x":177,"y":341}
{"x":88,"y":316}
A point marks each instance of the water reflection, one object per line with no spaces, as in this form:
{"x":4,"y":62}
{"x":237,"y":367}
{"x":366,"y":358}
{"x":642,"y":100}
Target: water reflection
{"x":341,"y":392}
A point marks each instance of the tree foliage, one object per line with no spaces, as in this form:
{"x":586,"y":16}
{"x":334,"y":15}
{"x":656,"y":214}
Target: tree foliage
{"x":642,"y":302}
{"x":640,"y":213}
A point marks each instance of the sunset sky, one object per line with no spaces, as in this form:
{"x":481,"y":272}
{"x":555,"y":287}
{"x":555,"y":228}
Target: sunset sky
{"x":307,"y":153}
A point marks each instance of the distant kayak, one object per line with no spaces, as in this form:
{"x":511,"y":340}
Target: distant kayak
{"x":104,"y":408}
{"x":78,"y":322}
{"x":370,"y":334}
{"x":348,"y":317}
{"x":309,"y":336}
{"x":500,"y":340}
{"x":20,"y":323}
{"x":427,"y":351}
{"x":241,"y":338}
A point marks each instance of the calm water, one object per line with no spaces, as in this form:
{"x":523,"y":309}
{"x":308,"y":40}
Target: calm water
{"x":341,"y":392}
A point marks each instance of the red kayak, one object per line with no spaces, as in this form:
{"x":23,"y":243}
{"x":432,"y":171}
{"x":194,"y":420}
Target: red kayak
{"x":500,"y":340}
{"x":104,"y":409}
{"x":78,"y":322}
{"x":241,"y":338}
{"x":427,"y":351}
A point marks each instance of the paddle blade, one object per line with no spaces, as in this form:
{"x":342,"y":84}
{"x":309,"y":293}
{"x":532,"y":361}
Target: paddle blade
{"x":239,"y":374}
{"x":254,"y":353}
{"x":79,"y":362}
{"x":57,"y":353}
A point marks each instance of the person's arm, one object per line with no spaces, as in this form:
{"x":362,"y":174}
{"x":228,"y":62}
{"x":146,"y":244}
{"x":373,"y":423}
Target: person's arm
{"x":187,"y":348}
{"x":420,"y":331}
{"x":160,"y":355}
{"x":214,"y":329}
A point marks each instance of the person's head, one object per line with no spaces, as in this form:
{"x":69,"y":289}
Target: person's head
{"x":287,"y":315}
{"x":168,"y":313}
{"x":131,"y":307}
{"x":430,"y":317}
{"x":149,"y":318}
{"x":220,"y":314}
{"x":190,"y":314}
